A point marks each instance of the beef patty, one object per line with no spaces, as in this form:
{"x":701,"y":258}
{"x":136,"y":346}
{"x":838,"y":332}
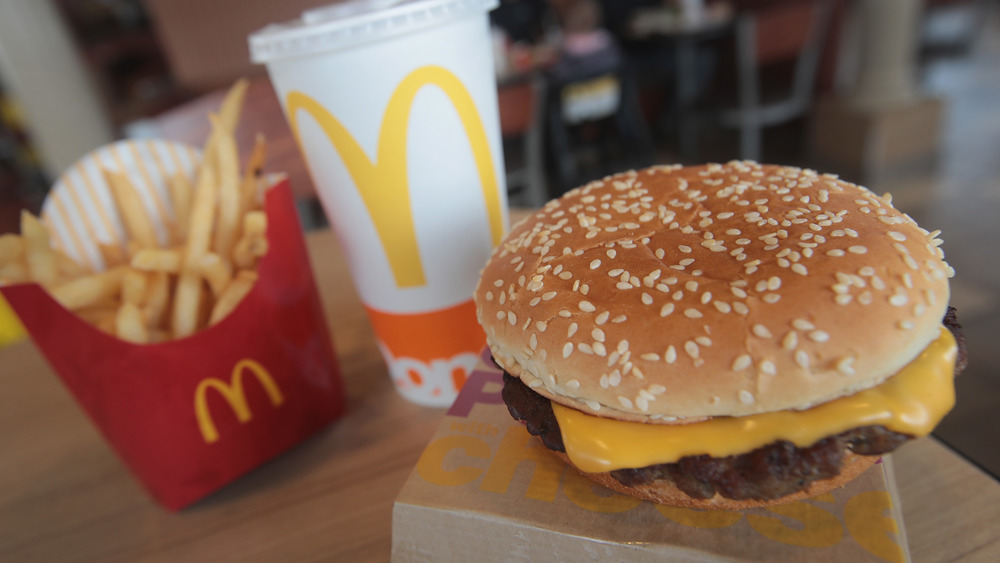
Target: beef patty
{"x":769,"y":472}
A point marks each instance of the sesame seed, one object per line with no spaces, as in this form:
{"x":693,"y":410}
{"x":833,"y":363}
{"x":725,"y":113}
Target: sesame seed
{"x":624,"y":402}
{"x":619,"y":319}
{"x":761,"y":331}
{"x":857,"y":249}
{"x":611,"y":253}
{"x":800,"y":269}
{"x":746,"y":397}
{"x":541,"y":326}
{"x":692,"y":349}
{"x":650,"y":357}
{"x":597,"y":334}
{"x":647,"y":299}
{"x":642,"y":403}
{"x":587,"y":307}
{"x":599,"y":349}
{"x":593,"y":405}
{"x":670,"y":356}
{"x":742,"y":362}
{"x":615,"y":378}
{"x":898,"y":300}
{"x":843,"y":299}
{"x":567,"y":349}
{"x":706,"y":297}
{"x":595,"y":264}
{"x":802,"y":324}
{"x":906,"y":324}
{"x":692,"y":313}
{"x":616,"y":272}
{"x":548,"y":296}
{"x":844,"y":365}
{"x":657,"y":389}
{"x":573,"y":384}
{"x":768,"y":367}
{"x":836,"y":252}
{"x":802,"y":359}
{"x":572,"y":330}
{"x":819,"y":336}
{"x":501,"y":315}
{"x":684,"y":248}
{"x":585,"y":348}
{"x":896,"y":236}
{"x":740,"y":307}
{"x":722,"y":306}
{"x":771,"y":298}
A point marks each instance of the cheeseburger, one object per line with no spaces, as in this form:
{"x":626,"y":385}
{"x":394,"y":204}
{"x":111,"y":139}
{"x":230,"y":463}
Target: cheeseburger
{"x":722,"y":336}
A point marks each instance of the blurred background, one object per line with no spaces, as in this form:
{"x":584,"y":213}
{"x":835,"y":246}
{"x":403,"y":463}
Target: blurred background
{"x":900,"y":95}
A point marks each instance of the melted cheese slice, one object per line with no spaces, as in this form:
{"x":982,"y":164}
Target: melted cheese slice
{"x":911,"y":402}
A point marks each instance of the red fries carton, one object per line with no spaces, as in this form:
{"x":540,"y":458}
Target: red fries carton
{"x":188,"y":416}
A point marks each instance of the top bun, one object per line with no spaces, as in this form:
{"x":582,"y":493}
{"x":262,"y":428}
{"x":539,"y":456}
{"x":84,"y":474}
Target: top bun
{"x":720,"y":290}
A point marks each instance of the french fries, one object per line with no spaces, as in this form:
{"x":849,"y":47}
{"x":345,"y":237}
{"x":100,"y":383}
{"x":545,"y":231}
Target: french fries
{"x":130,"y":206}
{"x":179,"y":186}
{"x":166,"y":260}
{"x":38,"y":254}
{"x":149,"y":292}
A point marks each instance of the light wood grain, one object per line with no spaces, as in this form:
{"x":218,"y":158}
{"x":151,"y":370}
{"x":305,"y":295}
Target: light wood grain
{"x":65,"y":497}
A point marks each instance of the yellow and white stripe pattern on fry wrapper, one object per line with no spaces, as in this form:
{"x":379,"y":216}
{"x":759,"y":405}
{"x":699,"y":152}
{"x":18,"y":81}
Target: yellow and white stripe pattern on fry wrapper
{"x":80,"y":211}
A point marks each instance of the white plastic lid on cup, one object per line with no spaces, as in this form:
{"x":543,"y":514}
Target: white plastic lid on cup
{"x":349,"y":24}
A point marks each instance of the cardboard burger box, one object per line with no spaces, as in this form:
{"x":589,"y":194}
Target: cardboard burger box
{"x":486,"y":490}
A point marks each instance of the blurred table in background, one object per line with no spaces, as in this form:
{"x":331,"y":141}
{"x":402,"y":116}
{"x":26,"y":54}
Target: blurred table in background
{"x":683,"y":34}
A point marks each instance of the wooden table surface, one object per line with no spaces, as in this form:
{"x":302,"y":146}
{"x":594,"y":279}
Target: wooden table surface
{"x":65,"y":497}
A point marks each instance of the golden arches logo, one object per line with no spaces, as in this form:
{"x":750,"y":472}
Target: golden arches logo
{"x":384,"y":183}
{"x":234,"y":395}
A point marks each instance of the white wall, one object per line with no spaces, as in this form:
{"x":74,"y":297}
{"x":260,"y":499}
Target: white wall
{"x":40,"y":68}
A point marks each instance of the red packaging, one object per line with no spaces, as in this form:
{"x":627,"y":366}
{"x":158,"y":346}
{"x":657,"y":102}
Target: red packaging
{"x":191,"y":415}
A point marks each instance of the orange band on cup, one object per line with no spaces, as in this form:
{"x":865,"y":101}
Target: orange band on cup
{"x":430,"y":335}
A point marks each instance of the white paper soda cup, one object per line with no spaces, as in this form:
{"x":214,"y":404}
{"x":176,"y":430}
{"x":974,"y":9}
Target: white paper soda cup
{"x":395,"y":111}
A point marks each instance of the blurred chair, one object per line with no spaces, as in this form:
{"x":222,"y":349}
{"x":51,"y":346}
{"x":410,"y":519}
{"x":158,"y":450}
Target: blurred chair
{"x":522,"y":110}
{"x":790,"y":31}
{"x":592,"y":103}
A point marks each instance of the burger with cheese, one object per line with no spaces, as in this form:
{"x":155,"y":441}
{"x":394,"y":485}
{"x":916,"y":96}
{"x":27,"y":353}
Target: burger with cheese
{"x":722,"y":336}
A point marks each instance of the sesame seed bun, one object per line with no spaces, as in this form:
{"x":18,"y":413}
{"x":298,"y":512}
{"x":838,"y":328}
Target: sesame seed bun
{"x":674,"y":294}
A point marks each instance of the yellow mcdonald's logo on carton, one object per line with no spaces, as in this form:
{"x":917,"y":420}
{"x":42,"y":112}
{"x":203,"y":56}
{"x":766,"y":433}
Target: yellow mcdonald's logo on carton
{"x":384,"y":183}
{"x":234,"y":395}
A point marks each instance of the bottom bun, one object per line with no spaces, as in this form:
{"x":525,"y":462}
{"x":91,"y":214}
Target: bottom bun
{"x":663,"y":491}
